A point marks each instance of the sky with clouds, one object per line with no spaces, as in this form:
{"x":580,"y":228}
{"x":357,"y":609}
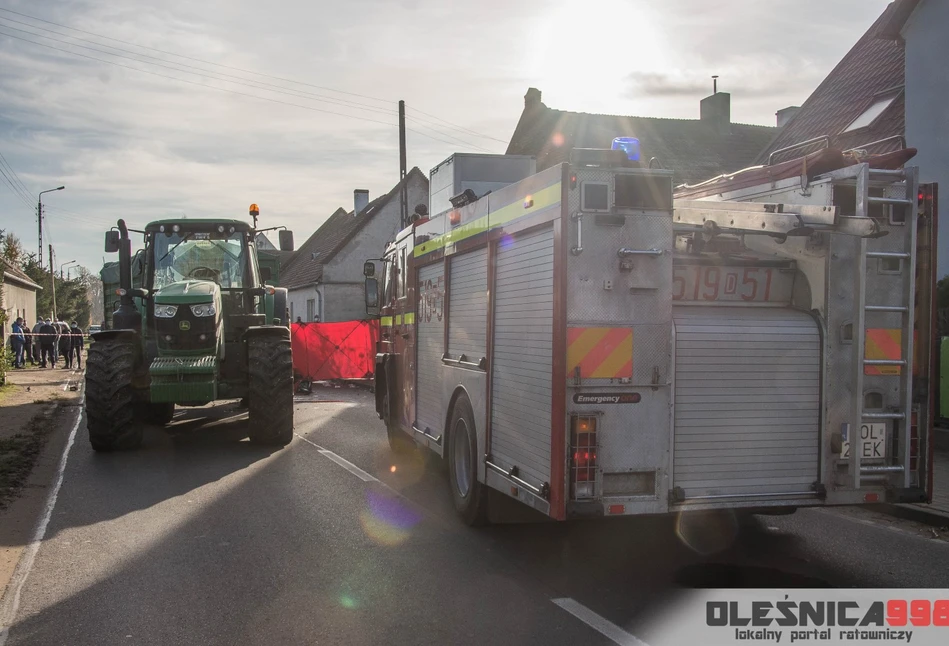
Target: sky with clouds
{"x":161,"y":108}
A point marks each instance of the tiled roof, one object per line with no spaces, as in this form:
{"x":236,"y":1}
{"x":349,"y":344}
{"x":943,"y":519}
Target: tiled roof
{"x":18,"y":275}
{"x":306,"y":266}
{"x":872,"y":69}
{"x":694,"y":149}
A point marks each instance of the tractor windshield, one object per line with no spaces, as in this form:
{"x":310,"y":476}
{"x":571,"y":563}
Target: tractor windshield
{"x":218,"y":257}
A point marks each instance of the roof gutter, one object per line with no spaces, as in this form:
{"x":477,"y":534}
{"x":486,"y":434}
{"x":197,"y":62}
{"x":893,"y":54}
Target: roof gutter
{"x":22,"y":281}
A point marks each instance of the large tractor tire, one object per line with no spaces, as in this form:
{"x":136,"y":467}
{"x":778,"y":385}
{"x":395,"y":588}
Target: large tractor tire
{"x":110,"y":409}
{"x":270,"y":390}
{"x":470,"y":496}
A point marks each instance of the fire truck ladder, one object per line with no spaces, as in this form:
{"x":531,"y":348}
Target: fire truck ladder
{"x":783,"y":220}
{"x":863,"y":175}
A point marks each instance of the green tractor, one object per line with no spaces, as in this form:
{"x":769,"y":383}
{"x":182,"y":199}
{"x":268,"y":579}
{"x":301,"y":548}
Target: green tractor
{"x":203,"y":326}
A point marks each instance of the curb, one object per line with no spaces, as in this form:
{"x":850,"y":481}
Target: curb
{"x":915,"y":512}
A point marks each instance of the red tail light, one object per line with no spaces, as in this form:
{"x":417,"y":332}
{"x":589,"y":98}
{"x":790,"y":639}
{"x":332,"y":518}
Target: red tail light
{"x":583,"y":465}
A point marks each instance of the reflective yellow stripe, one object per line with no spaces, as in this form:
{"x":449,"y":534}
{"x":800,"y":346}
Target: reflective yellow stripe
{"x":543,"y":199}
{"x":409,"y":318}
{"x":398,"y":319}
{"x":385,"y":321}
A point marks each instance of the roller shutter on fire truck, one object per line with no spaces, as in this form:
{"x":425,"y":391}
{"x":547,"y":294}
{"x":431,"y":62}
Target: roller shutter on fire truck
{"x":747,"y":401}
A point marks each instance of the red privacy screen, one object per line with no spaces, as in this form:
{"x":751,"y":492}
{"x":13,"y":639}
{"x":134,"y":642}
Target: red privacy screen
{"x":323,"y":351}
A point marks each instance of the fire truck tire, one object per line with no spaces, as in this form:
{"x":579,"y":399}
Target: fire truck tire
{"x":109,"y":408}
{"x":157,"y":413}
{"x":270,"y":390}
{"x":399,"y":442}
{"x":470,"y":496}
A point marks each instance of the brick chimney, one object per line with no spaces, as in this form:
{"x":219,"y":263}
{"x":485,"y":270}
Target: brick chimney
{"x":715,"y":110}
{"x":360,"y":200}
{"x":786,"y":114}
{"x":532,"y":98}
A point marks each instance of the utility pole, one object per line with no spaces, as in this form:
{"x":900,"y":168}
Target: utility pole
{"x":39,"y":220}
{"x":39,"y":227}
{"x":52,"y":280}
{"x":403,"y":195}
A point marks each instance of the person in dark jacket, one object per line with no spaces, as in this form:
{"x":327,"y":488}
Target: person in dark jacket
{"x":28,"y":345}
{"x":48,"y":344}
{"x":64,"y":343}
{"x":75,"y":351}
{"x":17,"y":343}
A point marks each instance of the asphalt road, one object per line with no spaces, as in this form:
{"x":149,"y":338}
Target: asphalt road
{"x":203,"y":538}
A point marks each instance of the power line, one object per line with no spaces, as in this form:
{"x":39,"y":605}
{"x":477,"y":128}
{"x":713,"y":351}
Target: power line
{"x":452,"y":125}
{"x":241,"y":81}
{"x":3,"y":161}
{"x":456,"y":126}
{"x":161,"y":51}
{"x":220,"y":89}
{"x":13,"y":187}
{"x":218,"y":76}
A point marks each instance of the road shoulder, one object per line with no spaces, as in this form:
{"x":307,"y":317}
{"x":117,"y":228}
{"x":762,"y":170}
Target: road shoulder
{"x":36,"y":416}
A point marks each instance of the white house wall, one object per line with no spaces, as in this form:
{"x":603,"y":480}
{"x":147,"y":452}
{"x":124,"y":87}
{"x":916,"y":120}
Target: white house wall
{"x":343,"y":281}
{"x":18,"y":301}
{"x":927,"y":93}
{"x":297,"y":298}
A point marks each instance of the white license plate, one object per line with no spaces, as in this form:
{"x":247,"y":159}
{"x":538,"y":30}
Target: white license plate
{"x":872,"y":442}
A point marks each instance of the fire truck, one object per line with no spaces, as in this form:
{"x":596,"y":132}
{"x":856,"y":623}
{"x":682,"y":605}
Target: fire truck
{"x":590,"y":340}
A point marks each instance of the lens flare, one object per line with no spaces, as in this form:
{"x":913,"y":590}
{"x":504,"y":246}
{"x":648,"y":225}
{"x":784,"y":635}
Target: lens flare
{"x":506,"y":241}
{"x":392,"y":469}
{"x":387,"y":520}
{"x":348,"y":602}
{"x":557,"y":139}
{"x":707,"y":532}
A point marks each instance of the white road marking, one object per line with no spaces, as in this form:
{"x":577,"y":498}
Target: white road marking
{"x":603,"y":626}
{"x":346,"y":464}
{"x":11,"y":602}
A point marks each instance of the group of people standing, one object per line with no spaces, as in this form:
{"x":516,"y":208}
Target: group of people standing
{"x":45,"y":342}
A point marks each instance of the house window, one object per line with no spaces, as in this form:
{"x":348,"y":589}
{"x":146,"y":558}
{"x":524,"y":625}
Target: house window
{"x":311,"y":309}
{"x":868,"y":116}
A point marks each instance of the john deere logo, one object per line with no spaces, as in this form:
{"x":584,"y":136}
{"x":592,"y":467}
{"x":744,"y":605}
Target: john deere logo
{"x":184,"y":325}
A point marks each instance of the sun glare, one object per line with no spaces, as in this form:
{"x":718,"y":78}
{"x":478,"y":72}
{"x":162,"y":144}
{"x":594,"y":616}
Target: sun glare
{"x":585,"y":50}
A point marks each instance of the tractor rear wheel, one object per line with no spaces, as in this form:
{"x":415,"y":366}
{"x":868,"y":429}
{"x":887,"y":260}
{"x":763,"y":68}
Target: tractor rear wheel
{"x":109,"y":407}
{"x":270,"y":390}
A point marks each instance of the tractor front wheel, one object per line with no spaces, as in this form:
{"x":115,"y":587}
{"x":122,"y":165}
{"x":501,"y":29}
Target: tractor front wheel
{"x":270,"y":390}
{"x":109,"y":407}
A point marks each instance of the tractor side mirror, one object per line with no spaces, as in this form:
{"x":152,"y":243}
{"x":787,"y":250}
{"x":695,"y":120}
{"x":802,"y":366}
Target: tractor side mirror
{"x":266,"y":273}
{"x":369,"y":269}
{"x":111,"y":241}
{"x":372,"y":298}
{"x":286,"y":240}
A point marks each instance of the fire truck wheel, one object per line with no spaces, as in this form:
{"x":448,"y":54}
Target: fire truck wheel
{"x":270,"y":390}
{"x":109,"y":410}
{"x":470,"y":496}
{"x":399,"y":442}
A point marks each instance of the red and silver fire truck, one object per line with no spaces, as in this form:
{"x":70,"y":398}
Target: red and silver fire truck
{"x":589,"y":340}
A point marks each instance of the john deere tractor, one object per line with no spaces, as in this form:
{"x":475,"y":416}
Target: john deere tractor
{"x":203,"y":326}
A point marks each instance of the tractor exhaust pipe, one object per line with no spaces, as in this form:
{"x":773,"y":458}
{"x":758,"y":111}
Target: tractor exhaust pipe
{"x":126,"y":317}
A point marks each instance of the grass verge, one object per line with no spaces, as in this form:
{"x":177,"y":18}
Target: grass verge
{"x":19,"y":453}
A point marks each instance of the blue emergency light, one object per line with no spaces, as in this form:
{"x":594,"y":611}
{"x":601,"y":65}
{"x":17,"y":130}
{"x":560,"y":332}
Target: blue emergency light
{"x":629,"y":145}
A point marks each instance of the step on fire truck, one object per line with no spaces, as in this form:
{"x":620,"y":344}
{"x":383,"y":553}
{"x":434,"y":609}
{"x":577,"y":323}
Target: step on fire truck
{"x":586,"y":342}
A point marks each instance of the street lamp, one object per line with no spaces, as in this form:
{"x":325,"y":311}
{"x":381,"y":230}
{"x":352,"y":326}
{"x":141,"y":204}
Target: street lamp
{"x":39,"y":220}
{"x":62,"y":266}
